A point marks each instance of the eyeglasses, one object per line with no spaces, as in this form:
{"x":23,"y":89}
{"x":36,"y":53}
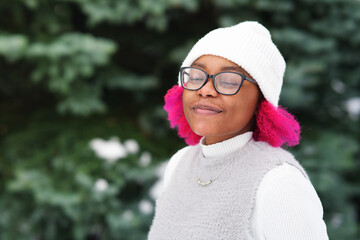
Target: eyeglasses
{"x":226,"y":83}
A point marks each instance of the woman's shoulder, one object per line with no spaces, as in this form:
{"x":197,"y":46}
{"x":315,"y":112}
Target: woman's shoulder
{"x":282,"y":172}
{"x":265,"y":148}
{"x":285,"y":181}
{"x":287,"y":197}
{"x":172,"y":163}
{"x":265,"y":153}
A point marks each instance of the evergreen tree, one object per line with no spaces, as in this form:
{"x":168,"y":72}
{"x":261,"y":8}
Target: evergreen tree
{"x":76,"y":73}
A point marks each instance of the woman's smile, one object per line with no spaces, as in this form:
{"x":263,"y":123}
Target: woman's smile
{"x":206,"y":109}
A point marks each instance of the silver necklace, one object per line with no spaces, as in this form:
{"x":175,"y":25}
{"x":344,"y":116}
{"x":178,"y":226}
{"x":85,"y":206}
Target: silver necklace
{"x":211,"y":180}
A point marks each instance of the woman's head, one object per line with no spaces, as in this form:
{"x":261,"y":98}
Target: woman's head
{"x":214,"y":115}
{"x":244,"y":49}
{"x":249,"y":45}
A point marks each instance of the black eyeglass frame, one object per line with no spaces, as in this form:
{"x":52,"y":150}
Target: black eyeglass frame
{"x":243,"y":77}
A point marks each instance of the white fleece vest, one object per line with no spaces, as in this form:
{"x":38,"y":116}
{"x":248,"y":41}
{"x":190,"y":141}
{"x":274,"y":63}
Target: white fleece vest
{"x":223,"y":209}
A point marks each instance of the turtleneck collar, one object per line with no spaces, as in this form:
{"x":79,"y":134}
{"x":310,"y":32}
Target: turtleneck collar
{"x":225,"y":147}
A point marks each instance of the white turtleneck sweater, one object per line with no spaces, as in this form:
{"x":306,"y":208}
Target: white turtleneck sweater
{"x":286,"y":206}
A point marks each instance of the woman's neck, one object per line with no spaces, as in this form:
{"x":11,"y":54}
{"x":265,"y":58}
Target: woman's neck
{"x":225,"y":147}
{"x":209,"y":140}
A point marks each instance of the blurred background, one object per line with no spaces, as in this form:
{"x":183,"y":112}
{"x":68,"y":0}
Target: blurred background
{"x":84,"y":139}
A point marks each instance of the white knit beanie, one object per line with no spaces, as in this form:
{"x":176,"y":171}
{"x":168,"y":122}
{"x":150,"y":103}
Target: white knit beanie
{"x":249,"y":45}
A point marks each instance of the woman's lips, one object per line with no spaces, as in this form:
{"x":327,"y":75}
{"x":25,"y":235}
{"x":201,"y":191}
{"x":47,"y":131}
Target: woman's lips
{"x":206,"y":109}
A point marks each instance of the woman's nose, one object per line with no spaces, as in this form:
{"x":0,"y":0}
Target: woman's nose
{"x":208,"y":89}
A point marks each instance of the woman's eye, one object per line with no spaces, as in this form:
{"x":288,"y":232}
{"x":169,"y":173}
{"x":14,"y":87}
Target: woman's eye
{"x":229,"y":84}
{"x":195,"y":78}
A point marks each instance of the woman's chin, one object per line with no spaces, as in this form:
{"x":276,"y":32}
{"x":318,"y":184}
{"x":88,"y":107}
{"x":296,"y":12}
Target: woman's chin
{"x":204,"y":131}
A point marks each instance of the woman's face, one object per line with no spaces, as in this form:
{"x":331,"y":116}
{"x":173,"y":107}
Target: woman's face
{"x":219,"y":117}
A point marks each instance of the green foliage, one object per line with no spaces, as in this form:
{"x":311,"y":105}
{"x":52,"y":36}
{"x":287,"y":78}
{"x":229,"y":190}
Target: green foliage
{"x":13,"y":46}
{"x":329,"y":168}
{"x":104,"y":66}
{"x":54,"y":189}
{"x":64,"y":62}
{"x":57,"y":59}
{"x":152,"y":12}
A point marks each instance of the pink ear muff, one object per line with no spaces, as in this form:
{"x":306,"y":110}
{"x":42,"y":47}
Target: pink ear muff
{"x":174,"y":107}
{"x":276,"y":126}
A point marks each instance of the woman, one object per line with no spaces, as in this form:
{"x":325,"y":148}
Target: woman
{"x":235,"y":181}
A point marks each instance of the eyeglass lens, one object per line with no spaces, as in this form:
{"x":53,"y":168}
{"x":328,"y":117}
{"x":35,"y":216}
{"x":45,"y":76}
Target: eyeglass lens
{"x":225,"y":83}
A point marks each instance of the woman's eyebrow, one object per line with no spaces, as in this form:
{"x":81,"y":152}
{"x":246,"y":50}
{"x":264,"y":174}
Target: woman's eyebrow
{"x":233,"y":68}
{"x":198,"y":65}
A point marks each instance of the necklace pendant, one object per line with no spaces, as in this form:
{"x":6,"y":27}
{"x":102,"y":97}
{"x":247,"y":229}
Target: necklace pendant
{"x":203,"y":183}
